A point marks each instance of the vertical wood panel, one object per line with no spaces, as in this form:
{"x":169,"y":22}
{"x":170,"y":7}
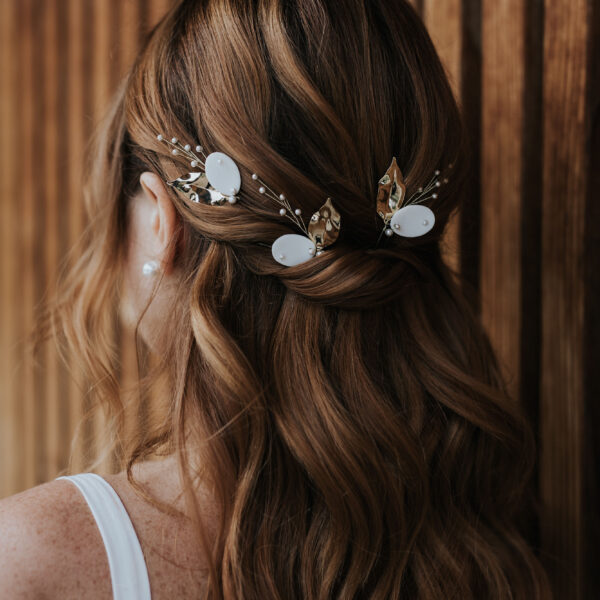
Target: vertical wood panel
{"x":60,"y":449}
{"x":37,"y":166}
{"x":444,"y":23}
{"x":26,"y":117}
{"x":531,"y":175}
{"x":591,"y":439}
{"x":471,"y":79}
{"x":52,"y":234}
{"x":502,"y":134}
{"x":8,"y":164}
{"x":563,"y":286}
{"x":77,"y":127}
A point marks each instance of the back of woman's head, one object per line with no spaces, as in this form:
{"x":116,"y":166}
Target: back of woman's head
{"x":348,"y":411}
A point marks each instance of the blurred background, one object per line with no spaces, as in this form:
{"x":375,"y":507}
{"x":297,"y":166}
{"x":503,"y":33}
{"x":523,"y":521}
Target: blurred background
{"x":526,"y":73}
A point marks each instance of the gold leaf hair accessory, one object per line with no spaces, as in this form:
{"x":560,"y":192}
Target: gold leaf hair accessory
{"x":219,"y":181}
{"x":407,"y":218}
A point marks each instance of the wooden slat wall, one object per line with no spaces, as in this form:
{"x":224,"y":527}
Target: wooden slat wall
{"x":527,"y":76}
{"x":564,"y":399}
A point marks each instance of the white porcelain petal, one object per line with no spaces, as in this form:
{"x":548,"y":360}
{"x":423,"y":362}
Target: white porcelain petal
{"x":412,"y":220}
{"x":292,"y":249}
{"x":224,"y":175}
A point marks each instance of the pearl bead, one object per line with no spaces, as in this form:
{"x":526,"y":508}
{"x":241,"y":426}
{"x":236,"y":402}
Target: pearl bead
{"x":282,"y":211}
{"x":231,"y":199}
{"x":298,"y":211}
{"x":254,"y":176}
{"x":150,"y":267}
{"x":437,"y":172}
{"x":194,"y":163}
{"x":437,"y":184}
{"x":159,"y":137}
{"x":388,"y":232}
{"x":420,"y":189}
{"x":396,"y":226}
{"x":261,"y":189}
{"x":425,"y":223}
{"x":319,"y":252}
{"x":281,"y":197}
{"x":199,"y":148}
{"x":187,"y":147}
{"x":281,"y":256}
{"x":311,"y":251}
{"x":174,"y":151}
{"x":446,"y":180}
{"x":434,"y":195}
{"x":174,"y":140}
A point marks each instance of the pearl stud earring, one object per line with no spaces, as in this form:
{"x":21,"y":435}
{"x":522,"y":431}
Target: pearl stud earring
{"x":150,"y":268}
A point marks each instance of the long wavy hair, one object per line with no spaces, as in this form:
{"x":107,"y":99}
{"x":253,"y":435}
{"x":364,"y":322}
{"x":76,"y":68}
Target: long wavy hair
{"x":348,"y":413}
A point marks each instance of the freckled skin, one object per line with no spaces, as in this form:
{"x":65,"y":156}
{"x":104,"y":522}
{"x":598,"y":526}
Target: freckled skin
{"x":50,"y":545}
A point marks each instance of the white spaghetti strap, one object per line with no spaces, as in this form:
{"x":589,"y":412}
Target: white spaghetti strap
{"x":128,"y":572}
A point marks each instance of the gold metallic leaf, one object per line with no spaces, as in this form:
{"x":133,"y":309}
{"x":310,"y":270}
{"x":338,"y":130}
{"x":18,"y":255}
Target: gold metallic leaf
{"x":390,"y":194}
{"x":324,"y":225}
{"x":196,"y":188}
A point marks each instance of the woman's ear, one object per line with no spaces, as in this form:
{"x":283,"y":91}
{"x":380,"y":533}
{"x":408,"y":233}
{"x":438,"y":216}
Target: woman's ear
{"x":162,"y":218}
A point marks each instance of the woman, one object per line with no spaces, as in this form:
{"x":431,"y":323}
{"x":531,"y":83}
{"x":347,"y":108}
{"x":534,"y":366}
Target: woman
{"x":335,"y":428}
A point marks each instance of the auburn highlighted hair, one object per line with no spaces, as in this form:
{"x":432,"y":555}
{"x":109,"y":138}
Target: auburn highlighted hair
{"x":348,"y":413}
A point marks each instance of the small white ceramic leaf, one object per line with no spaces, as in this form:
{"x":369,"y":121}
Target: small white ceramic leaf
{"x":294,"y":248}
{"x":224,"y":175}
{"x":412,"y":220}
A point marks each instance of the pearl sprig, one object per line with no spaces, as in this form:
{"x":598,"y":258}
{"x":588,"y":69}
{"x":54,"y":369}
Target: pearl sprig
{"x":421,"y":194}
{"x":179,"y":148}
{"x":283,"y":201}
{"x":418,"y":197}
{"x":195,"y":161}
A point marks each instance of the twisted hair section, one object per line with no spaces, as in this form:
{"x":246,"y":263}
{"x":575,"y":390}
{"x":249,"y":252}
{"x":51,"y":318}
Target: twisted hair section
{"x":348,"y":414}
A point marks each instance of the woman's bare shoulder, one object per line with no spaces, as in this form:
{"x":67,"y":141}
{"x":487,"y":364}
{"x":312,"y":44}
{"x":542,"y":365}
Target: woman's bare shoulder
{"x":50,"y":546}
{"x":174,"y":559}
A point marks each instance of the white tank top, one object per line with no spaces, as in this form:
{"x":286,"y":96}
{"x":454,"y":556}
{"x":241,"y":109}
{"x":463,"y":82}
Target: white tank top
{"x":128,"y":572}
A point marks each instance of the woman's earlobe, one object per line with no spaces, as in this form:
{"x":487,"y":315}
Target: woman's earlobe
{"x":164,"y":219}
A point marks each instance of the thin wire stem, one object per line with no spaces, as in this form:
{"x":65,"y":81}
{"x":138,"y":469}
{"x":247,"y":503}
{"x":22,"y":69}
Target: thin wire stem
{"x":285,"y":204}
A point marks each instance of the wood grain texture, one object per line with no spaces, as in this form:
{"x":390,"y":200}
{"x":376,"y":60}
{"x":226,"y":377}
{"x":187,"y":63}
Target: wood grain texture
{"x":8,"y":227}
{"x":52,"y":453}
{"x":527,"y":77}
{"x":444,"y":23}
{"x":77,"y":129}
{"x":562,"y":408}
{"x":502,"y":137}
{"x":27,"y":419}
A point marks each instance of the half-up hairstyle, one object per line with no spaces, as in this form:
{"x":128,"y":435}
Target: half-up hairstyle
{"x":348,"y":413}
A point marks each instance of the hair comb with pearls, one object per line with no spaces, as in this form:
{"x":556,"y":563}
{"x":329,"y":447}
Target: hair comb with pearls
{"x":216,"y":180}
{"x":407,"y":218}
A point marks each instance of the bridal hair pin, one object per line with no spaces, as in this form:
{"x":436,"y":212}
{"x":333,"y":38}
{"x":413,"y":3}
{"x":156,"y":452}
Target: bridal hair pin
{"x":323,"y":229}
{"x":219,"y":181}
{"x":407,"y":218}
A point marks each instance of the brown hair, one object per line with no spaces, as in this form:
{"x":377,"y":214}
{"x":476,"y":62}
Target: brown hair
{"x":348,"y":412}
